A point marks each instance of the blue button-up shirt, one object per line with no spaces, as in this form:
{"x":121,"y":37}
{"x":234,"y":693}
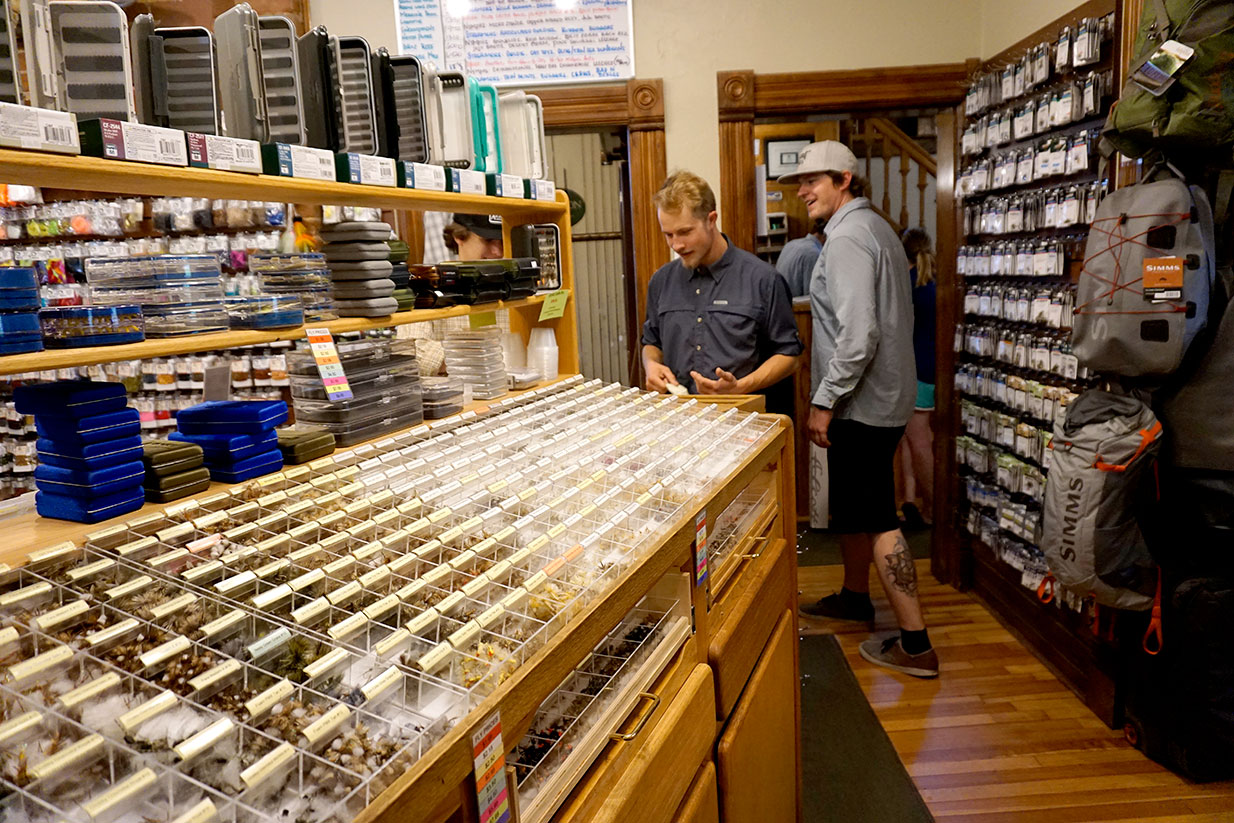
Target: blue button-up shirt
{"x":734,"y":315}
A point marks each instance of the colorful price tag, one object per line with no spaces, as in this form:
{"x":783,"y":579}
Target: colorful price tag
{"x":321,"y":343}
{"x":700,"y":548}
{"x":554,"y":305}
{"x":492,"y":793}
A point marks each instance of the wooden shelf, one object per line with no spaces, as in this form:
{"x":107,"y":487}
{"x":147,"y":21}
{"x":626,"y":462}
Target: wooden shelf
{"x":122,"y":177}
{"x":169,"y":346}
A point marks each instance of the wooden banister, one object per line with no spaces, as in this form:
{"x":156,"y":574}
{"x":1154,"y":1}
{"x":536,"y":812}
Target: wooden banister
{"x":893,"y":134}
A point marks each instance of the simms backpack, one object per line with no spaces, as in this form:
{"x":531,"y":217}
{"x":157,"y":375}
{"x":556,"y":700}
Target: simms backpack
{"x":1149,"y":265}
{"x":1103,"y":455}
{"x":1197,"y":112}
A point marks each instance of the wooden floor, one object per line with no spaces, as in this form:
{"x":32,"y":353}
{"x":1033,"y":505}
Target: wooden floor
{"x":997,"y":737}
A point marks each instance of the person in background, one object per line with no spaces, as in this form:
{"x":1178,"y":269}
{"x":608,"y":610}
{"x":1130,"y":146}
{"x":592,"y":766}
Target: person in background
{"x":916,"y":452}
{"x":862,"y":392}
{"x":719,"y":320}
{"x":474,"y":237}
{"x":796,"y":262}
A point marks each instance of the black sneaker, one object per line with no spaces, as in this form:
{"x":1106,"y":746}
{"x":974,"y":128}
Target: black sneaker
{"x":835,"y":607}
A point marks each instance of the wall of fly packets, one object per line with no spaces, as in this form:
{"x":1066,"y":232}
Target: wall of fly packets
{"x":1029,"y":184}
{"x":283,"y":651}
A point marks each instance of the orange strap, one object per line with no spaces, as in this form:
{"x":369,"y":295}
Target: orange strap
{"x":1152,"y":636}
{"x":1147,"y":436}
{"x":1045,"y":590}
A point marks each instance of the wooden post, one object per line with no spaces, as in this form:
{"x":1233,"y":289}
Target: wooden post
{"x":904,"y":191}
{"x":945,"y":561}
{"x":923,"y":182}
{"x":735,"y":91}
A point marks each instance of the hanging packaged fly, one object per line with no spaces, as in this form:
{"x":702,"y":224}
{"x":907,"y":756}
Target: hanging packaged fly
{"x":451,"y":140}
{"x":174,"y":77}
{"x":486,"y":127}
{"x":280,"y":68}
{"x":242,"y":91}
{"x":90,"y":72}
{"x":399,"y":83}
{"x":10,"y":87}
{"x":358,"y":132}
{"x":522,"y":135}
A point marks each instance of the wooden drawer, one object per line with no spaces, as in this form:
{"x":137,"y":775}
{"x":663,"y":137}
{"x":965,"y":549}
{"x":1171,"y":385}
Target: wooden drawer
{"x":756,"y":758}
{"x":745,"y":615}
{"x":646,"y":778}
{"x":702,"y":803}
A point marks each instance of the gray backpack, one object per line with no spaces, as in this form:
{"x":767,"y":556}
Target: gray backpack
{"x":1103,"y":461}
{"x":1136,"y":312}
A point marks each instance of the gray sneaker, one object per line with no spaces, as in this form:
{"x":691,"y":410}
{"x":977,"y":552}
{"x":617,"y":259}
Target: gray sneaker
{"x":889,"y":654}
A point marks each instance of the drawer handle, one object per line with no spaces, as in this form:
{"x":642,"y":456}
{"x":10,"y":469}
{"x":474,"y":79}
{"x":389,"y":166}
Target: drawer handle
{"x":655,"y":702}
{"x":755,"y":555}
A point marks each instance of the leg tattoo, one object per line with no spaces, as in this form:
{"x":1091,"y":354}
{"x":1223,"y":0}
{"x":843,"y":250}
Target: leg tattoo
{"x":900,"y":568}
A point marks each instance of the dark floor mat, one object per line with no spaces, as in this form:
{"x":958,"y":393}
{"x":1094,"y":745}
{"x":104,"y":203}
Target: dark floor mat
{"x":850,"y":771}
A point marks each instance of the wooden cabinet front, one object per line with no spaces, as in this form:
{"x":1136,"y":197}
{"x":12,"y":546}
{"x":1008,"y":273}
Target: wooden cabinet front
{"x":702,"y":803}
{"x":756,"y":758}
{"x":745,"y":615}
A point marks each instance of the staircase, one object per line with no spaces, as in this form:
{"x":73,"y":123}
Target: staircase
{"x":901,"y":171}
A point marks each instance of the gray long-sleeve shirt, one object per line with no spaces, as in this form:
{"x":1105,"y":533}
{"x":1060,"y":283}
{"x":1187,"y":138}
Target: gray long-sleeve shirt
{"x":862,"y":364}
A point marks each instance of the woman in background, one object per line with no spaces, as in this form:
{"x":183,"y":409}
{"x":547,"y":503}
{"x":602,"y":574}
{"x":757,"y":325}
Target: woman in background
{"x":916,"y":451}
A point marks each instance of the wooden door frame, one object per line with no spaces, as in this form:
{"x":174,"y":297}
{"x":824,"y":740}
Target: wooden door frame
{"x":638,"y":106}
{"x":744,"y":96}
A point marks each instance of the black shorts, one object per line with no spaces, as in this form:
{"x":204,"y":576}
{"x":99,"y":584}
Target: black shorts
{"x":861,"y":477}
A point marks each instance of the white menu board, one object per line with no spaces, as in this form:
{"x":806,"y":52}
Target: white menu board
{"x":521,"y":42}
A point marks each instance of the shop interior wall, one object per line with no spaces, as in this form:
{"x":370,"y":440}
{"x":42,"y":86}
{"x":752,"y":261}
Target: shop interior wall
{"x":686,"y":42}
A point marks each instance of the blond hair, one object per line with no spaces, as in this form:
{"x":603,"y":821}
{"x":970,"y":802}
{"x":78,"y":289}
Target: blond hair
{"x":917,"y":249}
{"x":686,"y":190}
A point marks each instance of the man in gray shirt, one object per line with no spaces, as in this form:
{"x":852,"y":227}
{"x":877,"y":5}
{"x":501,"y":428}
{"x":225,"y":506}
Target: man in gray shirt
{"x":863,"y":388}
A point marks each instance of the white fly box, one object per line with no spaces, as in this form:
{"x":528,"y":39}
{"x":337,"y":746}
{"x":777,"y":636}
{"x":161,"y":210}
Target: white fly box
{"x":280,"y":66}
{"x":451,"y":141}
{"x":522,"y":135}
{"x":95,"y":71}
{"x":242,"y":92}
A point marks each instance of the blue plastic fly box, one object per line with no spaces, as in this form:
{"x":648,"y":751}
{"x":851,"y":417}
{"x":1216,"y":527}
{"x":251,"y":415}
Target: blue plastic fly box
{"x":247,"y":469}
{"x":232,"y":417}
{"x":85,"y":457}
{"x":60,"y":507}
{"x":226,"y":449}
{"x":89,"y":430}
{"x":90,"y":484}
{"x":70,"y":398}
{"x":19,"y":289}
{"x":20,"y":332}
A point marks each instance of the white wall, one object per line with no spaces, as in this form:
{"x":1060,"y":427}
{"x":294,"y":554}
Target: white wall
{"x":686,"y":42}
{"x":1006,"y":22}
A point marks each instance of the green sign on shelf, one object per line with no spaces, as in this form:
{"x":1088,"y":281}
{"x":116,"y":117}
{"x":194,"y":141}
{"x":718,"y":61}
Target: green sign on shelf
{"x":481,"y":319}
{"x":554,"y":304}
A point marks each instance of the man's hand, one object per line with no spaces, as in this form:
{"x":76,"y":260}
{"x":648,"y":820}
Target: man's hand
{"x":817,"y":425}
{"x":724,"y":383}
{"x":659,"y":377}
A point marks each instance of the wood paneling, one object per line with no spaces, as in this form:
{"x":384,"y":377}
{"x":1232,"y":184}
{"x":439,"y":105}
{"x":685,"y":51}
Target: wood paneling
{"x":662,"y":770}
{"x":939,"y":84}
{"x":945,"y":562}
{"x":702,"y":803}
{"x":638,"y":105}
{"x":997,"y":738}
{"x":756,"y":755}
{"x":648,"y":168}
{"x":738,"y":211}
{"x":745,"y":616}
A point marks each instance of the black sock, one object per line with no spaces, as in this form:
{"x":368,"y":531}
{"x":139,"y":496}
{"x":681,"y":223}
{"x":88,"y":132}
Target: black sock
{"x":855,"y":600}
{"x":915,"y":642}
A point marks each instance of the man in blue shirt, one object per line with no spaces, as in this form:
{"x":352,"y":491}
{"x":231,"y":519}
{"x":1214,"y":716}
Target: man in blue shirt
{"x":863,"y":387}
{"x":796,"y":261}
{"x":719,"y":320}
